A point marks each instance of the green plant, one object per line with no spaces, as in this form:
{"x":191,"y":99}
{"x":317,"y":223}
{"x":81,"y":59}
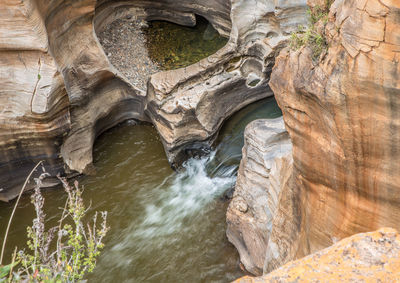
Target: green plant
{"x":318,"y":13}
{"x":5,"y":271}
{"x":328,"y":4}
{"x":64,"y":253}
{"x":13,"y":211}
{"x":312,"y":36}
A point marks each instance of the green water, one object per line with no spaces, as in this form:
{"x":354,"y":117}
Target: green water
{"x":165,"y":226}
{"x":172,"y":46}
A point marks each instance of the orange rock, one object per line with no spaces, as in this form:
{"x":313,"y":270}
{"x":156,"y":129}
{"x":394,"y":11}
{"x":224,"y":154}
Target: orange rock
{"x":366,"y":257}
{"x":343,"y":117}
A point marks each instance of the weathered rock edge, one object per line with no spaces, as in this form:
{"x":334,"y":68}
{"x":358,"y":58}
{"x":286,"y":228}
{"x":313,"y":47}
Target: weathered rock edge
{"x":365,"y":257}
{"x":59,"y":91}
{"x":261,"y":186}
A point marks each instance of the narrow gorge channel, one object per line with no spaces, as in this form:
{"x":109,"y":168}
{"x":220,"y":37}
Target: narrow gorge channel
{"x":166,"y":226}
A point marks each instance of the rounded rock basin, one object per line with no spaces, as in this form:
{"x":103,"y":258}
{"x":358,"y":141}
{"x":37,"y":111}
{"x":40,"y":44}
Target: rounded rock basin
{"x":171,"y":46}
{"x":139,"y":49}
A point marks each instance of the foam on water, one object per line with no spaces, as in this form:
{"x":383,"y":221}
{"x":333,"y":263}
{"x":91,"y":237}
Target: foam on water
{"x":170,"y":218}
{"x":181,"y":196}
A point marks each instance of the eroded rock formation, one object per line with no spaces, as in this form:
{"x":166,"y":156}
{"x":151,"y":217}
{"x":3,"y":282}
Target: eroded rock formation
{"x":34,"y":114}
{"x":188,"y":106}
{"x":373,"y":256}
{"x":217,"y":12}
{"x":342,"y":115}
{"x":99,"y":96}
{"x":265,"y":169}
{"x":59,"y":91}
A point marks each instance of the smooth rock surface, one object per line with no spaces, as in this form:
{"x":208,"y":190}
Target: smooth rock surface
{"x":57,"y":89}
{"x":265,"y":169}
{"x":343,"y":117}
{"x":189,"y":105}
{"x":34,"y":114}
{"x":99,"y":96}
{"x":366,"y":257}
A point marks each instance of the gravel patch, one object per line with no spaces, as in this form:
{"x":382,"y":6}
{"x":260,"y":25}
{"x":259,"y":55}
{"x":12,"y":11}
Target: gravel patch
{"x":125,"y":46}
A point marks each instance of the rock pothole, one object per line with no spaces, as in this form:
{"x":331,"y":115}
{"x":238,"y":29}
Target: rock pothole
{"x":173,"y":46}
{"x":138,"y":48}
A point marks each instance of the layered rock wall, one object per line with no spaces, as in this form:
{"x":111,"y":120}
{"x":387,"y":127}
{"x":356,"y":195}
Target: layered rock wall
{"x":189,"y":105}
{"x":263,"y":174}
{"x":34,"y":114}
{"x":58,"y":90}
{"x":100,"y":97}
{"x":342,"y":115}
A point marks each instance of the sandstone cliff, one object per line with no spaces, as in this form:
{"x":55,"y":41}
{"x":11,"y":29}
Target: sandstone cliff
{"x":367,"y":257}
{"x":341,"y":110}
{"x":343,"y":117}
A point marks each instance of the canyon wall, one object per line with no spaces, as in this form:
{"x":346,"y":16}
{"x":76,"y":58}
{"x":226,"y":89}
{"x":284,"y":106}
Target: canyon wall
{"x":99,"y":96}
{"x":34,"y":114}
{"x":342,"y":114}
{"x":58,"y":90}
{"x":341,"y":110}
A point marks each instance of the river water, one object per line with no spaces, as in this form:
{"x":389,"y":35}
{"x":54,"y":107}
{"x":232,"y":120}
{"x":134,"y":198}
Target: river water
{"x":165,"y":226}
